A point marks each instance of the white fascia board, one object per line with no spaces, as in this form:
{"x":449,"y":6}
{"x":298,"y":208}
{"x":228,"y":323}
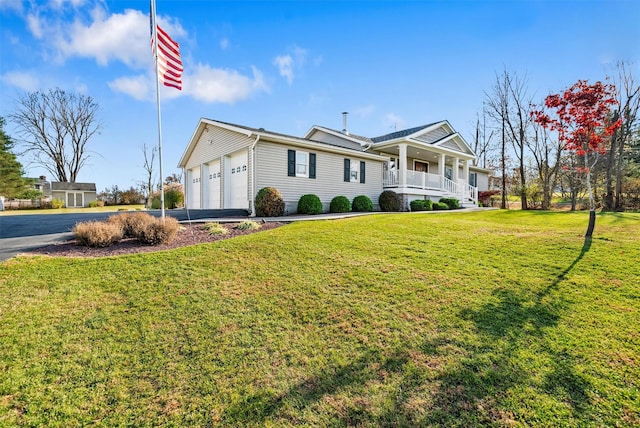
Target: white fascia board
{"x":334,"y":133}
{"x":459,"y":140}
{"x":202,"y":125}
{"x":307,"y":144}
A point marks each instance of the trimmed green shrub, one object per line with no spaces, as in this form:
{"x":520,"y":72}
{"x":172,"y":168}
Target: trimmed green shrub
{"x":340,"y":204}
{"x":362,"y":204}
{"x":452,"y":203}
{"x":57,"y":203}
{"x":97,"y":233}
{"x":440,"y":206}
{"x":309,"y":204}
{"x":269,"y":202}
{"x":159,"y":232}
{"x":421,"y":205}
{"x":215,"y":229}
{"x":390,"y":201}
{"x":248,"y":225}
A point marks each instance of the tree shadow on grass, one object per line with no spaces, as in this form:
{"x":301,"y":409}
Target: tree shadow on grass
{"x":259,"y":407}
{"x":511,"y":328}
{"x":471,"y":386}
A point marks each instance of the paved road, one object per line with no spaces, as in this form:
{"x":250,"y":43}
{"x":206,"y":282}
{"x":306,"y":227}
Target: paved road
{"x":19,"y":233}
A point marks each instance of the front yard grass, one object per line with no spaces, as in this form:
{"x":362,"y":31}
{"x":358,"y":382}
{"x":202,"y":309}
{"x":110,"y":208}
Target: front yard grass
{"x":457,"y":319}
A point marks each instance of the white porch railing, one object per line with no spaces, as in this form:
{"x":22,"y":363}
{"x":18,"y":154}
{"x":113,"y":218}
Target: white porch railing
{"x":428,"y":181}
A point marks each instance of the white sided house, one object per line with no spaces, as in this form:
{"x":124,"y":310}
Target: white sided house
{"x":225,"y":165}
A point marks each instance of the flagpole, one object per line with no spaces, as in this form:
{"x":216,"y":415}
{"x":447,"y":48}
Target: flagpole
{"x":154,"y":29}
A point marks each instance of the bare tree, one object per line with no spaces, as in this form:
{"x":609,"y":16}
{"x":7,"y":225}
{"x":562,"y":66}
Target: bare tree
{"x":483,"y":139}
{"x":628,"y":97}
{"x":497,"y":103}
{"x":149,"y":160}
{"x":546,"y":154}
{"x":55,"y":127}
{"x":518,"y":122}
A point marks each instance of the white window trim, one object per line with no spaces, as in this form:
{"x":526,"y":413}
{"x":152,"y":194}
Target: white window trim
{"x":306,"y":156}
{"x":353,"y":168}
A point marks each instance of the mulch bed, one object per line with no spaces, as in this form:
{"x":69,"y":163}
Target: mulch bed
{"x":188,"y":235}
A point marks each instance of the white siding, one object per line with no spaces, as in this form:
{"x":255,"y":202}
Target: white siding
{"x":215,"y":143}
{"x":453,"y":145}
{"x":433,"y":136}
{"x":271,"y":165}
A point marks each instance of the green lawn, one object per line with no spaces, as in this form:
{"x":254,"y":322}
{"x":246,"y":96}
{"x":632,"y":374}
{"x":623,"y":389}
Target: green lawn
{"x":454,"y":319}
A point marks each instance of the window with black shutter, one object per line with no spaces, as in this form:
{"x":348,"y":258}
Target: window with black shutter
{"x":347,"y":170}
{"x":312,"y":165}
{"x":362,"y":171}
{"x":291,"y":163}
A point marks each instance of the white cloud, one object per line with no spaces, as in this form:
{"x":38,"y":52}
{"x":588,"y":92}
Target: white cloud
{"x":224,"y":44}
{"x":285,"y":66}
{"x":139,"y":87}
{"x":21,"y":79}
{"x":292,"y":62}
{"x":35,"y":25}
{"x":121,"y":37}
{"x":216,"y":85}
{"x":15,"y":5}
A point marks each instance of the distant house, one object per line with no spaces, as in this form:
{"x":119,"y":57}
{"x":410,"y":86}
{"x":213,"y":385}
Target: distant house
{"x":225,"y":165}
{"x":74,"y":194}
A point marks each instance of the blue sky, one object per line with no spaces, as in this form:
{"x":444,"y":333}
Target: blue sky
{"x":286,"y":66}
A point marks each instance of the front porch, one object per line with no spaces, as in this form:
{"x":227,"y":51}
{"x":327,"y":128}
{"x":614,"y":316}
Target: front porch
{"x":420,"y":185}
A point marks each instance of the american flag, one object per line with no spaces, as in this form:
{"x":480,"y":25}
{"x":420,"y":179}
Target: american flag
{"x":169,"y":62}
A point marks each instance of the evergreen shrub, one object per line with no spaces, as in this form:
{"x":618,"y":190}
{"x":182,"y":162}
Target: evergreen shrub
{"x":390,"y":201}
{"x":440,"y":206}
{"x":340,"y":204}
{"x":421,"y":205}
{"x":362,"y":203}
{"x":309,"y":204}
{"x":269,"y":202}
{"x":452,"y":203}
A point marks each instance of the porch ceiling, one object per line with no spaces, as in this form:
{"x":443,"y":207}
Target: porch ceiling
{"x":419,"y":153}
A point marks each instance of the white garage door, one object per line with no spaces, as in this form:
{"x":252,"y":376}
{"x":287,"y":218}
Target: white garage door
{"x":236,"y":172}
{"x":214,"y":185}
{"x":194,"y":188}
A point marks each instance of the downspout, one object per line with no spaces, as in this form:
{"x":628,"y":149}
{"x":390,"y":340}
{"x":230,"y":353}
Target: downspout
{"x":253,"y":176}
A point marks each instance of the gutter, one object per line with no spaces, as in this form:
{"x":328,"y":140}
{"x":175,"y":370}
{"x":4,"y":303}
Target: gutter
{"x":253,"y":176}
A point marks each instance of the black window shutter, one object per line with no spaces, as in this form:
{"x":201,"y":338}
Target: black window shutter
{"x":291,"y":171}
{"x":347,"y":170}
{"x":312,"y":165}
{"x":362,"y":171}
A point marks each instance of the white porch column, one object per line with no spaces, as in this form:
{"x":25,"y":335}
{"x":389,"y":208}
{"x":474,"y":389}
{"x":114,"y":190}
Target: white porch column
{"x":441,"y":160}
{"x":402,"y":158}
{"x":455,"y":166}
{"x":465,"y":171}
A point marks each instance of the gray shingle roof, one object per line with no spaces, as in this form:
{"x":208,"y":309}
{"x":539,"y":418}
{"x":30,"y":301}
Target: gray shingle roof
{"x":87,"y":187}
{"x":400,"y":134}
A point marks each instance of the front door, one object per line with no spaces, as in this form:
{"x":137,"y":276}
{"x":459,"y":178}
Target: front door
{"x":421,"y":166}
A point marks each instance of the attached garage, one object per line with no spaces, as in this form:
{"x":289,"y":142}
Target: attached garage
{"x":194,"y":188}
{"x":214,"y":179}
{"x":236,"y":178}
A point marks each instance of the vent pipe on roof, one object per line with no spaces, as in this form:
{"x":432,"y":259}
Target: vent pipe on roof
{"x":344,"y":123}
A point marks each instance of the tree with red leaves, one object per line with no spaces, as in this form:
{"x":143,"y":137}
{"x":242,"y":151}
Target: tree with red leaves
{"x":582,"y":120}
